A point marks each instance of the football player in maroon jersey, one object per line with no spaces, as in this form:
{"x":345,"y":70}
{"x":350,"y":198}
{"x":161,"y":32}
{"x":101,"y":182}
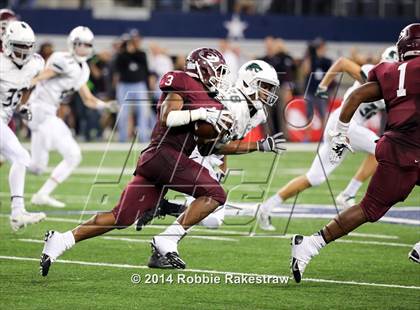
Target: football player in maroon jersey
{"x":188,"y":96}
{"x":397,"y":151}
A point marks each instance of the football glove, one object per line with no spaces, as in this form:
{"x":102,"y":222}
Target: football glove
{"x":273,"y":143}
{"x":322,"y":92}
{"x":25,"y":112}
{"x":339,"y":143}
{"x":220,"y":119}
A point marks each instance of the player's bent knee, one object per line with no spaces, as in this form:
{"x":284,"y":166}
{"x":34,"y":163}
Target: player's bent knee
{"x":315,"y":180}
{"x":212,"y":222}
{"x":74,"y":159}
{"x":373,"y":209}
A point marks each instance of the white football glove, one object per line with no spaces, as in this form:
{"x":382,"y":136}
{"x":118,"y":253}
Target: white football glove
{"x":25,"y":112}
{"x":220,"y":119}
{"x":339,"y":143}
{"x":272,"y":144}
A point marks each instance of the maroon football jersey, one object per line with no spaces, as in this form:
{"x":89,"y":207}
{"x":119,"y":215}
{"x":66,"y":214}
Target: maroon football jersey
{"x":195,"y":96}
{"x":400,"y":86}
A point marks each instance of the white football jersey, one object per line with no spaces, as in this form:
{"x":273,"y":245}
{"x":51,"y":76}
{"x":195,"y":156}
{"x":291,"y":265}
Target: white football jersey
{"x":367,"y":109}
{"x":237,"y":104}
{"x":71,"y":75}
{"x":14,"y":80}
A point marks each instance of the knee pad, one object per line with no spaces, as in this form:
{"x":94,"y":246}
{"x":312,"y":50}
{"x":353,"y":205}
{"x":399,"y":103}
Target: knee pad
{"x":212,"y":221}
{"x":74,"y":158}
{"x":373,"y":208}
{"x":315,"y":180}
{"x":22,"y":157}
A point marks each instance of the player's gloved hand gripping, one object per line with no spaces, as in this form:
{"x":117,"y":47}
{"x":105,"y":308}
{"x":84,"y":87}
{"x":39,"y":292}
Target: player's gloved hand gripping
{"x":322,"y":92}
{"x":339,"y":142}
{"x":25,"y":112}
{"x":220,"y":119}
{"x":274,"y":143}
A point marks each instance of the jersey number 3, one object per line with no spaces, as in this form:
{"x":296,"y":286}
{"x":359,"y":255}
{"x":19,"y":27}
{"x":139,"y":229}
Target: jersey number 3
{"x":401,"y":91}
{"x":169,"y":80}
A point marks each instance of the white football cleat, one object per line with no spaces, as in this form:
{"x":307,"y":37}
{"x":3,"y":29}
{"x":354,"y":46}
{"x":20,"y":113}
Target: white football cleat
{"x":46,"y":200}
{"x":264,"y":221}
{"x":54,"y":246}
{"x":169,"y":250}
{"x":303,"y":249}
{"x":345,"y":201}
{"x":414,"y":254}
{"x":25,"y":218}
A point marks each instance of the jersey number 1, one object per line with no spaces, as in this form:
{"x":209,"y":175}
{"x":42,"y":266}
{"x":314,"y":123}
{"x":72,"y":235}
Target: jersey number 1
{"x":401,"y":91}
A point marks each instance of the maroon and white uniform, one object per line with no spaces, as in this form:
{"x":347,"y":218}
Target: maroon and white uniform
{"x":165,"y":163}
{"x":398,"y":150}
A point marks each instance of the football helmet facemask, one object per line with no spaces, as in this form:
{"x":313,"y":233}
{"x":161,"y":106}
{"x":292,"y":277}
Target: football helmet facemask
{"x":80,"y":43}
{"x":19,"y":42}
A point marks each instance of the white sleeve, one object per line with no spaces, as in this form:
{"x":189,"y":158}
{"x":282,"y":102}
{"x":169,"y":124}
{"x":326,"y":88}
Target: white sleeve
{"x":58,"y":63}
{"x":365,"y":69}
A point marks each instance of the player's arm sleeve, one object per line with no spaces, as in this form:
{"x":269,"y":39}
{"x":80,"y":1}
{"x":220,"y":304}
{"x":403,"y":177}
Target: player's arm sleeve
{"x":364,"y":71}
{"x":58,"y":63}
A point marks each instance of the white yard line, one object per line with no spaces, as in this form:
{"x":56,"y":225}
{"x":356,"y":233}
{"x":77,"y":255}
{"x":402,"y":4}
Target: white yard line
{"x":127,"y":266}
{"x":214,"y":238}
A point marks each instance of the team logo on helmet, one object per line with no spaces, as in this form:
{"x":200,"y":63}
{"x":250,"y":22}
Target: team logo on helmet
{"x":209,"y":56}
{"x":254,"y":67}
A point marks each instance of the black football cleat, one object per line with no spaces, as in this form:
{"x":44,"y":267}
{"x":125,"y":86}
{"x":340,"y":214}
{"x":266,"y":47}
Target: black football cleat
{"x":156,"y":260}
{"x":44,"y":265}
{"x":145,"y":219}
{"x":174,"y":259}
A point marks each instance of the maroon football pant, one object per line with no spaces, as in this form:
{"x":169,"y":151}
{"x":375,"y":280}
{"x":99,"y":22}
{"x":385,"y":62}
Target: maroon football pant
{"x":158,"y":171}
{"x":395,"y":177}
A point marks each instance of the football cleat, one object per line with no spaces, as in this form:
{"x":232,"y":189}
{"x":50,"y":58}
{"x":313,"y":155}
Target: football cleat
{"x":145,"y":219}
{"x":46,"y":200}
{"x":165,"y":208}
{"x":25,"y":218}
{"x":54,"y":246}
{"x":344,"y":201}
{"x":156,"y":260}
{"x":169,"y":250}
{"x":303,"y":250}
{"x":264,"y":222}
{"x":414,"y":254}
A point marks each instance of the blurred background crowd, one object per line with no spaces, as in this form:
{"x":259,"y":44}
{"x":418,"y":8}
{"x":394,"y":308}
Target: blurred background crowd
{"x":128,"y":70}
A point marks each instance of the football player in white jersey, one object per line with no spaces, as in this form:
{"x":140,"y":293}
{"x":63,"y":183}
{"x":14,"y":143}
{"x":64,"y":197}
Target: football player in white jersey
{"x":18,"y":66}
{"x":256,"y":87}
{"x":64,"y":74}
{"x":362,"y":140}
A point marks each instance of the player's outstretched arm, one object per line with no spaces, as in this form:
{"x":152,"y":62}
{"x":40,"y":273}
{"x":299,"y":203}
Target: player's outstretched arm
{"x":341,"y":65}
{"x":45,"y":74}
{"x":90,"y":100}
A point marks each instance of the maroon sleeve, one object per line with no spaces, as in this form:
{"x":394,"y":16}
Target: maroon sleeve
{"x":372,"y":77}
{"x":172,"y":81}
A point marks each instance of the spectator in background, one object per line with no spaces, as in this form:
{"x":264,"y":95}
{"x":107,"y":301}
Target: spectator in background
{"x":314,"y":66}
{"x":45,"y":50}
{"x":160,"y":63}
{"x":231,"y":57}
{"x":277,"y":56}
{"x":132,"y":76}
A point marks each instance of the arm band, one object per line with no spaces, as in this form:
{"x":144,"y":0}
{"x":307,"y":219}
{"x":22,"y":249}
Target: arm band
{"x":184,"y":117}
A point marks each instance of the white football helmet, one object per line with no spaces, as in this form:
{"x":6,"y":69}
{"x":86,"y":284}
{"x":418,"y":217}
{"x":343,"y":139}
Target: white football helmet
{"x":80,"y":43}
{"x":390,"y":54}
{"x":259,"y":82}
{"x":19,"y":42}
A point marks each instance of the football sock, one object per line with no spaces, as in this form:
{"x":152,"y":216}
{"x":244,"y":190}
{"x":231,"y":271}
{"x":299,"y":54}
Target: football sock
{"x":318,"y":240}
{"x":17,"y":185}
{"x":270,"y":204}
{"x":68,"y":239}
{"x":352,"y":188}
{"x":48,"y":186}
{"x":174,"y":232}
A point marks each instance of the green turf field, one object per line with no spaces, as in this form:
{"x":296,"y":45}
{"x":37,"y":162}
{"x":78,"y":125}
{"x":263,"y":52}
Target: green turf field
{"x":96,"y":274}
